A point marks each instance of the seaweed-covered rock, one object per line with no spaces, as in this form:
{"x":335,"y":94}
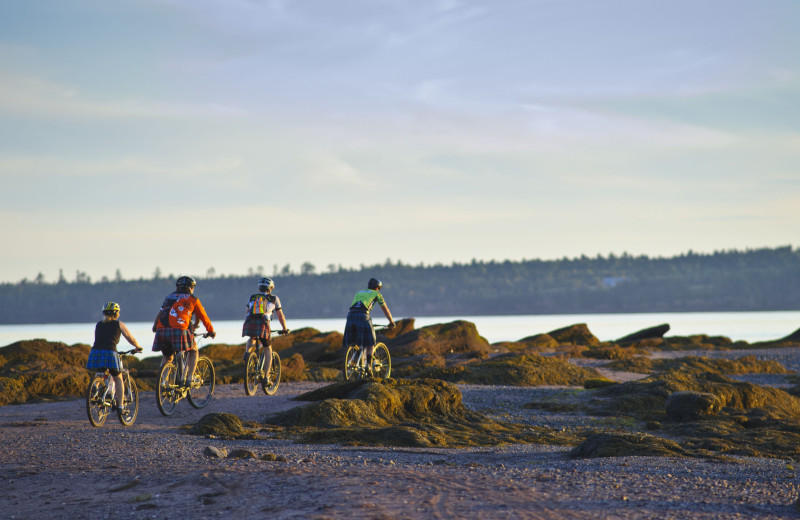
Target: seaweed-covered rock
{"x":396,"y":412}
{"x":515,"y":370}
{"x":577,"y":334}
{"x":457,"y":337}
{"x":535,"y":343}
{"x":626,"y":444}
{"x":695,"y":364}
{"x":648,"y":396}
{"x":649,"y":333}
{"x":292,"y":368}
{"x":40,"y":369}
{"x":691,"y":406}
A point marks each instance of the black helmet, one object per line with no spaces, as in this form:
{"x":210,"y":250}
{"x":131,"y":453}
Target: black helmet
{"x":266,"y":282}
{"x":374,"y":284}
{"x":185,"y":281}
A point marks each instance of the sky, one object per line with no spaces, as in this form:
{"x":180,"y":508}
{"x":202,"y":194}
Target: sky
{"x":199,"y":136}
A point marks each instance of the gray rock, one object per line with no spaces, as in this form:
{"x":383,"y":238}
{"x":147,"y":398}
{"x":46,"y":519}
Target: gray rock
{"x":215,"y":453}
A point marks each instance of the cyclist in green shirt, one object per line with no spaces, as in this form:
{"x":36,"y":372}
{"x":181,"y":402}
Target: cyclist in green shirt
{"x":359,"y":329}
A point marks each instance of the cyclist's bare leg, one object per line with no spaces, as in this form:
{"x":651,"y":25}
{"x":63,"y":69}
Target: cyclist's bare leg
{"x":191,"y":364}
{"x":165,"y":360}
{"x":369,"y":351}
{"x":265,"y":343}
{"x":249,"y":346}
{"x":118,"y":389}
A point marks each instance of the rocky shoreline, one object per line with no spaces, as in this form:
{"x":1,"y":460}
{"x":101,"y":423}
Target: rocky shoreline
{"x":56,"y":465}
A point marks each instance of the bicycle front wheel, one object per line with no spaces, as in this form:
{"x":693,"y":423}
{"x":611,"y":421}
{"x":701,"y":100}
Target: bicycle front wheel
{"x":381,"y":362}
{"x":351,"y":363}
{"x":166,"y":394}
{"x":96,"y":408}
{"x":130,"y":398}
{"x":270,"y":383}
{"x":251,"y":374}
{"x":202,"y":388}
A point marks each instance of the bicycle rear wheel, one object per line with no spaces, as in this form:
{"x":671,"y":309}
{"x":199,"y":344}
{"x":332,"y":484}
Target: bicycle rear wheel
{"x":203,"y":383}
{"x":130,"y":398}
{"x":251,"y":374}
{"x":96,"y":408}
{"x":270,"y":383}
{"x":351,"y":363}
{"x":167,"y":395}
{"x":381,"y":362}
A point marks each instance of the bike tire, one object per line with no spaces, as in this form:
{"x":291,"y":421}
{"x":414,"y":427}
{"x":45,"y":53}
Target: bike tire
{"x":270,"y":383}
{"x":381,"y":362}
{"x":203,"y":383}
{"x":166,"y":395}
{"x":351,"y":363}
{"x":95,"y":408}
{"x":251,"y":374}
{"x":131,"y":399}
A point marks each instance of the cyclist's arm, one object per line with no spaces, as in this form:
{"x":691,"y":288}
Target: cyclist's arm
{"x":281,"y":318}
{"x":155,"y":322}
{"x":128,"y":336}
{"x":201,"y":312}
{"x":385,"y":309}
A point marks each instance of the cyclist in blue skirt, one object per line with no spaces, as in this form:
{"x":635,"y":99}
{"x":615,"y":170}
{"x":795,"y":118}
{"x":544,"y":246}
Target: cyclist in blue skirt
{"x":104,"y":351}
{"x":359,"y":330}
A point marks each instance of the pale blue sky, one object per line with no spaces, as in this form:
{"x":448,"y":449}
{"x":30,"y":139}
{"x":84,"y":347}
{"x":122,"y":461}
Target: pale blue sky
{"x":189,"y":134}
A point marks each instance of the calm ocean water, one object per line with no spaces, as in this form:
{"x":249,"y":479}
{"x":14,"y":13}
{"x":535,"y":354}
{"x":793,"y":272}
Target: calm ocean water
{"x":747,"y":326}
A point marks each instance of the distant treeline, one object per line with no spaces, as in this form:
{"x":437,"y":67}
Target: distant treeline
{"x":752,"y":280}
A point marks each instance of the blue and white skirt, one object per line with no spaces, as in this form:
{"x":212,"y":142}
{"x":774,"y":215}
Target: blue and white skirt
{"x":100,"y":359}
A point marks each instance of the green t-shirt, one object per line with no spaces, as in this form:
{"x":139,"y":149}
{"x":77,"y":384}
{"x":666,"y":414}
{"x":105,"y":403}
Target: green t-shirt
{"x":366,"y":299}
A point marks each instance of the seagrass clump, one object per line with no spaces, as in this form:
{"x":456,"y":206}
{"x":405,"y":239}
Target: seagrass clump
{"x":399,"y":412}
{"x":626,"y":444}
{"x":222,"y":425}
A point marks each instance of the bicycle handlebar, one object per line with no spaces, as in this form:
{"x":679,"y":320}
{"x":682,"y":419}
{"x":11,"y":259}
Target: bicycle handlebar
{"x":131,"y":351}
{"x":280,"y":332}
{"x":382,"y":326}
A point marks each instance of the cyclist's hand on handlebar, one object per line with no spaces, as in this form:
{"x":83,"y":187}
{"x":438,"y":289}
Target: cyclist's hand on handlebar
{"x":284,"y":332}
{"x":211,"y":334}
{"x":139,"y":350}
{"x":392,"y":325}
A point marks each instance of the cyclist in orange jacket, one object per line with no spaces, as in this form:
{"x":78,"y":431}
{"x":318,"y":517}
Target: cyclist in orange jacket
{"x":172,"y":324}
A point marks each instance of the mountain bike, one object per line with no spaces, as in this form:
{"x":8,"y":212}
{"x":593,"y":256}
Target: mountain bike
{"x":254,"y":369}
{"x":100,"y":396}
{"x":355,"y":361}
{"x":198,"y":392}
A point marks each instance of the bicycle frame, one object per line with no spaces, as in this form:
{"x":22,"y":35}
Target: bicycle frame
{"x":256,"y":372}
{"x":108,"y":380}
{"x":98,"y":407}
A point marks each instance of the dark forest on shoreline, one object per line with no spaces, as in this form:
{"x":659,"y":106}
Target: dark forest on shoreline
{"x":765,"y":279}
